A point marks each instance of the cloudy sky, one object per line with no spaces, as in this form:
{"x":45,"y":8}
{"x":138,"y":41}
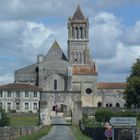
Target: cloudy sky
{"x":29,"y":27}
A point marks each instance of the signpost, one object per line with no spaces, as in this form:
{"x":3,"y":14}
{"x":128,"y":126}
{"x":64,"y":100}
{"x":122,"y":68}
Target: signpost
{"x":108,"y":133}
{"x":123,"y":122}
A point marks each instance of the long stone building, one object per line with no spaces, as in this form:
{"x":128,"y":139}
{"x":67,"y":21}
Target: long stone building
{"x":77,"y":73}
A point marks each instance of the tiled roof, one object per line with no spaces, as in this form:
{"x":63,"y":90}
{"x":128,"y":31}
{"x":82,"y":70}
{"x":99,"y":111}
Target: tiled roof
{"x":19,"y":87}
{"x":83,"y":70}
{"x":78,"y":15}
{"x":111,"y":85}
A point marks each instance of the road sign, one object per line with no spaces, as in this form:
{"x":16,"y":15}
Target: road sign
{"x":123,"y":121}
{"x":108,"y":133}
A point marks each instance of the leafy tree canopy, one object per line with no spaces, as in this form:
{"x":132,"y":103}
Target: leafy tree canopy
{"x":132,"y":92}
{"x":4,"y":121}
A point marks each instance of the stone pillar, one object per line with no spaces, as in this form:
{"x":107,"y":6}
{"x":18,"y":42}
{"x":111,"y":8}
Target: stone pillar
{"x":77,"y":113}
{"x":69,"y":79}
{"x":45,"y":117}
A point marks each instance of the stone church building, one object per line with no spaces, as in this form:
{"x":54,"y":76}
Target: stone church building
{"x":55,"y":72}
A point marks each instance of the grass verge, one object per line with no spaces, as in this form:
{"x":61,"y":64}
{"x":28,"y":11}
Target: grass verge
{"x":35,"y":136}
{"x":23,"y":120}
{"x":78,"y":134}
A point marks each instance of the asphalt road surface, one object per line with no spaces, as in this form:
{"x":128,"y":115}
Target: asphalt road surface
{"x":59,"y":132}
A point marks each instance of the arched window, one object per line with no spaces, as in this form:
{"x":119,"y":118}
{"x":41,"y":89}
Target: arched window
{"x":36,"y":69}
{"x":117,"y":105}
{"x":76,"y":30}
{"x":76,"y":58}
{"x":55,"y":84}
{"x":37,"y":76}
{"x":110,"y":105}
{"x":106,"y":105}
{"x":73,"y":36}
{"x":80,"y":58}
{"x":81,"y":32}
{"x":99,"y":104}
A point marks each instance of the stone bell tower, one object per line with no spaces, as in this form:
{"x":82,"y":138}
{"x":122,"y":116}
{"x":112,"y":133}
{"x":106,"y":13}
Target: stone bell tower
{"x":84,"y":72}
{"x":78,"y":39}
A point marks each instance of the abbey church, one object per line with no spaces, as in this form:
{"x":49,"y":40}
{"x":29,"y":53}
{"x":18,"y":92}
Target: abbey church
{"x":54,"y":71}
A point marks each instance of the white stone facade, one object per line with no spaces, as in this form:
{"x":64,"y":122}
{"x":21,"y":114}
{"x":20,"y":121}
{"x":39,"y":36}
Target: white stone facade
{"x":19,"y":101}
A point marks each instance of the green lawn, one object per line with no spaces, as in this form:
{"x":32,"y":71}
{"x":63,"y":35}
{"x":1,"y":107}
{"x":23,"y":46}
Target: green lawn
{"x":78,"y":134}
{"x":35,"y":136}
{"x":23,"y":120}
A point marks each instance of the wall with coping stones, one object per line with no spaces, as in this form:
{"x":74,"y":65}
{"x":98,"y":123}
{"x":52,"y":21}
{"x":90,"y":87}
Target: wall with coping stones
{"x":10,"y":133}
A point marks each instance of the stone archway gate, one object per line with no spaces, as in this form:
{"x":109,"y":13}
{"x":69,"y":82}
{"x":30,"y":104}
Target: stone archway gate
{"x":70,"y":98}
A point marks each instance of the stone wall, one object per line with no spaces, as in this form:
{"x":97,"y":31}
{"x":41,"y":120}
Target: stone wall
{"x":10,"y":133}
{"x":138,"y":133}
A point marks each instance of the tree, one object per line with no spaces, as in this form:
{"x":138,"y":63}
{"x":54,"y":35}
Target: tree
{"x":132,"y":92}
{"x":4,"y":121}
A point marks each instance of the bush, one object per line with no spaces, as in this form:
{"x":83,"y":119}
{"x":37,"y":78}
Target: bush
{"x":4,"y":121}
{"x":103,"y":115}
{"x":124,"y":114}
{"x":12,"y":111}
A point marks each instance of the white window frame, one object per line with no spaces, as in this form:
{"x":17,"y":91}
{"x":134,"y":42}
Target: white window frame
{"x":35,"y":107}
{"x":26,"y":105}
{"x":26,"y":93}
{"x":18,"y":93}
{"x":18,"y":106}
{"x":35,"y":94}
{"x":9,"y":107}
{"x":9,"y":93}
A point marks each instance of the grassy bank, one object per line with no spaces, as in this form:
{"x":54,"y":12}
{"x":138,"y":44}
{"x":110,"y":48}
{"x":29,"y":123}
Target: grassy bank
{"x":78,"y":134}
{"x":23,"y":120}
{"x":35,"y":136}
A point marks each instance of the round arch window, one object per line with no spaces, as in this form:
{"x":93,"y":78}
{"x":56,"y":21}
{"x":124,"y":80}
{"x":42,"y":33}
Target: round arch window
{"x":117,"y":105}
{"x":88,"y":90}
{"x":99,"y":104}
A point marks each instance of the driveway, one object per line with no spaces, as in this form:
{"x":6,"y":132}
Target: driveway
{"x":59,"y":132}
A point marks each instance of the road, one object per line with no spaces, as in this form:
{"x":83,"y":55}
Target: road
{"x":59,"y":132}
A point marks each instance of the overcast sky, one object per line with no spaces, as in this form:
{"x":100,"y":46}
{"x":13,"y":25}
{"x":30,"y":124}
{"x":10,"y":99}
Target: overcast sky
{"x":29,"y":27}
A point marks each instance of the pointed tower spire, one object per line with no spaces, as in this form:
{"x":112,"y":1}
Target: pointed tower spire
{"x":78,"y":15}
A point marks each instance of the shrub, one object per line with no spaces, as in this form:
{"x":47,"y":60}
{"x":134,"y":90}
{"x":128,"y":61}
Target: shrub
{"x":4,"y":121}
{"x":124,"y":114}
{"x":12,"y":111}
{"x":103,"y":115}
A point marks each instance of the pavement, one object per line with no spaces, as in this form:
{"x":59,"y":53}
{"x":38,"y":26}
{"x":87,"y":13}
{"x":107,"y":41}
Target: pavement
{"x":59,"y":132}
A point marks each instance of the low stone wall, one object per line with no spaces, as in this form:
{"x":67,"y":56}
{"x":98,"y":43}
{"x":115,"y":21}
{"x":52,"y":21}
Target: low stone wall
{"x":138,"y":133}
{"x":10,"y":133}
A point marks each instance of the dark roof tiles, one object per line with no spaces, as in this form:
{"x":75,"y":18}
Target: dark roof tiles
{"x":19,"y":87}
{"x":78,"y":15}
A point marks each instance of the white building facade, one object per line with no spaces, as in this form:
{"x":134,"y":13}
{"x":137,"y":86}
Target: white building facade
{"x":19,"y":97}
